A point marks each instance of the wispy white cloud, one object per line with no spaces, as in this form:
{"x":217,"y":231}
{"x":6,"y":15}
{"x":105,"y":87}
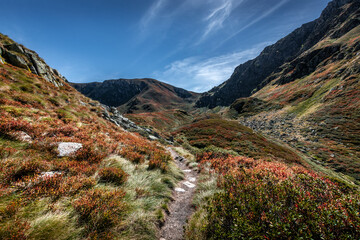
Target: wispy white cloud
{"x":216,"y":17}
{"x":256,"y":20}
{"x":199,"y":75}
{"x":152,"y":13}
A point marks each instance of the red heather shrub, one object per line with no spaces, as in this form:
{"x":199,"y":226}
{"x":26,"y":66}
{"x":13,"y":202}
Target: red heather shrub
{"x":14,"y":230}
{"x":58,"y":185}
{"x":10,"y":125}
{"x":17,"y":169}
{"x":270,"y":200}
{"x":89,"y":154}
{"x":6,"y":152}
{"x":100,"y":209}
{"x":159,"y":160}
{"x":132,"y":155}
{"x":112,"y":175}
{"x":73,"y":167}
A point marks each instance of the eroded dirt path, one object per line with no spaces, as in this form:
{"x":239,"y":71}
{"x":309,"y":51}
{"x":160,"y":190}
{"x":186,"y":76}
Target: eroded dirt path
{"x":180,"y":208}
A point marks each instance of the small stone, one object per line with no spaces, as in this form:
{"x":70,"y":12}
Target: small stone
{"x":189,"y":184}
{"x":22,"y":136}
{"x":151,"y":137}
{"x":192,"y":179}
{"x":187,"y":170}
{"x":179,"y":190}
{"x":49,"y":174}
{"x":68,"y":148}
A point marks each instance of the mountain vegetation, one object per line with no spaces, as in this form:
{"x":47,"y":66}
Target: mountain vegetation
{"x":272,"y":153}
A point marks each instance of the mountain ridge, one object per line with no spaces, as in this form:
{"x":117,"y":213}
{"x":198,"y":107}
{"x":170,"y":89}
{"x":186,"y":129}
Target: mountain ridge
{"x":248,"y":77}
{"x":137,"y":95}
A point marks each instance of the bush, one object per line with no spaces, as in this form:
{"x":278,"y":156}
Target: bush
{"x":58,"y":185}
{"x":112,"y":175}
{"x":14,"y":230}
{"x":100,"y":209}
{"x":16,"y":169}
{"x":270,"y":200}
{"x":132,"y":155}
{"x":160,"y":161}
{"x":89,"y":154}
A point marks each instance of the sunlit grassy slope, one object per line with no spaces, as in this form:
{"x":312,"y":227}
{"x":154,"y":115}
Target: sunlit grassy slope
{"x":115,"y":187}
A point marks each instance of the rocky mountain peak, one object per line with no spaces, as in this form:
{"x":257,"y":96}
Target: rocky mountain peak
{"x":339,"y":17}
{"x":19,"y":56}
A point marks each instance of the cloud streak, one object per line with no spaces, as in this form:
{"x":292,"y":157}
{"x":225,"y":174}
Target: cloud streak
{"x":256,"y":20}
{"x":217,"y":16}
{"x":152,"y":12}
{"x":200,"y":75}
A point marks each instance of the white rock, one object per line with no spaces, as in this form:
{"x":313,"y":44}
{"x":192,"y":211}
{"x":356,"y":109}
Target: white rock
{"x":179,"y":189}
{"x":189,"y":184}
{"x":67,"y":148}
{"x":22,"y":136}
{"x":49,"y":174}
{"x":187,"y":170}
{"x":153,"y":137}
{"x":192,"y":179}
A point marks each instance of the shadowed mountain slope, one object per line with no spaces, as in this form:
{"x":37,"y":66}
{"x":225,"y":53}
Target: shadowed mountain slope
{"x":338,"y":18}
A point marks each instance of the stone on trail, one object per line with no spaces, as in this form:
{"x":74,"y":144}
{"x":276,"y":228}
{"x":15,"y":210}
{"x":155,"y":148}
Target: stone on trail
{"x":189,"y":184}
{"x":180,"y":190}
{"x":192,"y":179}
{"x":187,"y":170}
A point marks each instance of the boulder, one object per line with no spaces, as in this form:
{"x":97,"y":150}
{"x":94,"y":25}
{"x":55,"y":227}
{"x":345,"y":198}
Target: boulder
{"x":66,"y":149}
{"x":15,"y":60}
{"x":14,"y":47}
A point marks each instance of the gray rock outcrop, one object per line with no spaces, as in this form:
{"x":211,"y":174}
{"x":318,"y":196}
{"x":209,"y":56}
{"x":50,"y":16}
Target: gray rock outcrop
{"x":19,"y":56}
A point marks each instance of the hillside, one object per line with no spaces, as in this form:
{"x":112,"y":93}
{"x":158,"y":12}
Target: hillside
{"x":138,"y":95}
{"x":272,"y":153}
{"x":65,"y":171}
{"x":312,"y":103}
{"x":339,"y":17}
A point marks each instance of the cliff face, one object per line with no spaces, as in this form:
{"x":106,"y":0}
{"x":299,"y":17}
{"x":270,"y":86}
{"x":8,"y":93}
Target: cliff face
{"x":138,"y":95}
{"x":338,"y":18}
{"x":19,"y":56}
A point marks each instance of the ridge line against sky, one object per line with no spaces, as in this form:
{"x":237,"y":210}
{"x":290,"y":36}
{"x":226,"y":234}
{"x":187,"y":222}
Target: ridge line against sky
{"x":193,"y":44}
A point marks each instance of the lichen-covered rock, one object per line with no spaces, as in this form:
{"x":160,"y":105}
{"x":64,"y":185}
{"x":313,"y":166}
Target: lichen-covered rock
{"x":14,"y":47}
{"x":66,"y":149}
{"x":22,"y":136}
{"x":15,"y":60}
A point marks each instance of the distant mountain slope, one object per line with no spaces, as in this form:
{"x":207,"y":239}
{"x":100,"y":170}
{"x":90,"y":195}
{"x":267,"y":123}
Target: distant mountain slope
{"x":138,"y":95}
{"x":338,"y":18}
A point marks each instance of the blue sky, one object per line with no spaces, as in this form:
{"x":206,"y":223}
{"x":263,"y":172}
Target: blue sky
{"x":193,"y":44}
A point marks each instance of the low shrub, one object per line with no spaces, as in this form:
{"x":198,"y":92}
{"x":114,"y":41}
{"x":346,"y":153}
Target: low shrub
{"x":14,"y":230}
{"x":132,"y":155}
{"x":270,"y":200}
{"x":58,"y":185}
{"x":89,"y":154}
{"x":16,"y":169}
{"x":112,"y":175}
{"x":160,"y":161}
{"x":100,"y":209}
